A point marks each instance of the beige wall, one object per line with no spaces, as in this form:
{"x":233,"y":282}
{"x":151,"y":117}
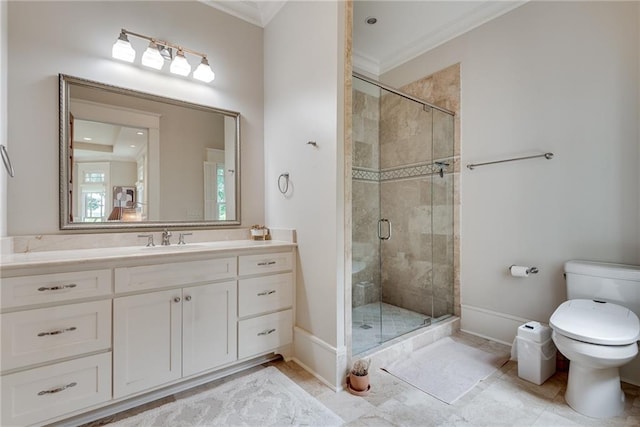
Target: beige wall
{"x":548,"y":76}
{"x":42,"y":44}
{"x":303,"y":71}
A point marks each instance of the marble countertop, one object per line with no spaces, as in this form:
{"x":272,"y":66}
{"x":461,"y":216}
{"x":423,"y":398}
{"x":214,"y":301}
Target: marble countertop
{"x":62,"y":257}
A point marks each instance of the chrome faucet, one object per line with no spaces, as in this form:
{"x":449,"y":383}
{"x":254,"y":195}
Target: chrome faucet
{"x":166,"y":236}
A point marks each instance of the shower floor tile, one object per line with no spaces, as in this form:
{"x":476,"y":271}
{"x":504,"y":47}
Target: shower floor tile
{"x":395,"y":321}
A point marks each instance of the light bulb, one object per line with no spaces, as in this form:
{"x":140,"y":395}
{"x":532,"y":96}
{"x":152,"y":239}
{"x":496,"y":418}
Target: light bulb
{"x":180,"y":65}
{"x":152,"y":58}
{"x":122,"y":49}
{"x":204,"y":72}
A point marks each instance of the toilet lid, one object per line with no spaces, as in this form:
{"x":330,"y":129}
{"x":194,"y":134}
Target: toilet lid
{"x":596,"y":322}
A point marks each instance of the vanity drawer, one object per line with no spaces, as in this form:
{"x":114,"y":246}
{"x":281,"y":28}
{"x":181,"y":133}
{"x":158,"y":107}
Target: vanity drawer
{"x":60,"y":287}
{"x":36,"y":336}
{"x":265,"y":294}
{"x":39,"y":394}
{"x":129,"y":279}
{"x":264,"y":333}
{"x":265,"y":263}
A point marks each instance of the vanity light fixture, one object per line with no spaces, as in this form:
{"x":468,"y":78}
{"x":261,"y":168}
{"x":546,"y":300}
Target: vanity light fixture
{"x":204,"y":72}
{"x":180,"y":65}
{"x":151,"y":57}
{"x":160,"y":51}
{"x":122,"y":48}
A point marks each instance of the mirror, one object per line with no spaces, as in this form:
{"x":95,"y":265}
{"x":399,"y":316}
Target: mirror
{"x":130,"y":160}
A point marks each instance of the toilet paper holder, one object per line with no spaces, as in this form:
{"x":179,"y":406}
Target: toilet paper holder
{"x":529,"y":270}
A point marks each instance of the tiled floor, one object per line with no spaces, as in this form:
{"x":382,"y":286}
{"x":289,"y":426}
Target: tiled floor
{"x":395,"y":321}
{"x":503,"y":399}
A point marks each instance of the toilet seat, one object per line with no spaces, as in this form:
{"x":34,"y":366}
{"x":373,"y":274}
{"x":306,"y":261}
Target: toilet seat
{"x":596,"y":322}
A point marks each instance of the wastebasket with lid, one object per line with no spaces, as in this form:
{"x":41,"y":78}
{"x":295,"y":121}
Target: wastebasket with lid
{"x":536,"y":352}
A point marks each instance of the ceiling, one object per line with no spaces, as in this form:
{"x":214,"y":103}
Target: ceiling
{"x":95,"y":141}
{"x":405,"y":29}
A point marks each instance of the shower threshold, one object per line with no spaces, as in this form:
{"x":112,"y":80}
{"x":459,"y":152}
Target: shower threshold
{"x":395,"y":321}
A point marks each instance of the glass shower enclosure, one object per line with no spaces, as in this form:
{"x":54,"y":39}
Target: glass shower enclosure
{"x":402,"y":213}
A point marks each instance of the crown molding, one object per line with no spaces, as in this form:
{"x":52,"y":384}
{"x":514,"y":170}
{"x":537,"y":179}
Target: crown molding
{"x":482,"y":14}
{"x":258,"y":13}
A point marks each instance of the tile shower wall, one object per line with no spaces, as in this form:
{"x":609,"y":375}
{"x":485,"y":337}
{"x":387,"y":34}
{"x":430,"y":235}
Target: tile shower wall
{"x":418,"y":262}
{"x":443,"y":89}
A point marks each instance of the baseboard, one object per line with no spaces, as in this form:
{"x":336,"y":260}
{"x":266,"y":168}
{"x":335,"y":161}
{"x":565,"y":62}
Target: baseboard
{"x":499,"y":327}
{"x":320,"y":359}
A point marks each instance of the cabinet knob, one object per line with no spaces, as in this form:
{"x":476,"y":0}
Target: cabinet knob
{"x":176,"y":299}
{"x":187,"y":298}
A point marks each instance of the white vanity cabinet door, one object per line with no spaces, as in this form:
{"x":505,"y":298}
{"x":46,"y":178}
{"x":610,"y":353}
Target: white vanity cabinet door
{"x":262,"y":334}
{"x":147,"y":341}
{"x":57,"y":287}
{"x":33,"y":396}
{"x":265,"y":263}
{"x":209,"y":336}
{"x":42,"y":335}
{"x":264,"y":294}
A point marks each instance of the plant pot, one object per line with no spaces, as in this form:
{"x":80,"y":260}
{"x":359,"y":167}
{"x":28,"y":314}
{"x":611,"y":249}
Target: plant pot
{"x":359,"y":382}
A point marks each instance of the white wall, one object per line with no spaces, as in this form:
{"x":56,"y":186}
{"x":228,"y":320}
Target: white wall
{"x":302,"y":76}
{"x":548,"y":76}
{"x":75,"y":38}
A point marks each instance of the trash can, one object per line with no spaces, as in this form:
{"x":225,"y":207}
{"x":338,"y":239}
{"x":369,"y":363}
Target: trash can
{"x":536,"y":352}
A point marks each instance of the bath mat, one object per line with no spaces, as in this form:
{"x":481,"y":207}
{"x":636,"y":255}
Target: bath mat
{"x":264,"y":398}
{"x":446,"y":369}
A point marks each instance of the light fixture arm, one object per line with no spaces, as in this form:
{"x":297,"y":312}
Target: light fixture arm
{"x":164,"y":43}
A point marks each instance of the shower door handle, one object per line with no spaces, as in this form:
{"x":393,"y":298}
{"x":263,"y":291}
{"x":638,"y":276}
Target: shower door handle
{"x":380,"y":235}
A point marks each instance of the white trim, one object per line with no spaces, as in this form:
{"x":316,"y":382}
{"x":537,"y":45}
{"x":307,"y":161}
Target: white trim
{"x":364,"y":63}
{"x":319,"y":358}
{"x":485,"y":12}
{"x":499,"y":327}
{"x":258,"y":13}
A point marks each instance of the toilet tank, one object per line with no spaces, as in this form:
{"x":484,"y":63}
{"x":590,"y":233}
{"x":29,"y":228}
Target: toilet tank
{"x":616,"y":283}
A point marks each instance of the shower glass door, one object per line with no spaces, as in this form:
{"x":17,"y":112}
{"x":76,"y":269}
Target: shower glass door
{"x":402,"y":215}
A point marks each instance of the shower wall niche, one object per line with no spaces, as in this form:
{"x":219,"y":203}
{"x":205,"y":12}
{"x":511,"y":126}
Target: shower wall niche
{"x":404,"y":166}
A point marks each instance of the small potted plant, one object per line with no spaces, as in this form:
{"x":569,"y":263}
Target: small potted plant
{"x":259,"y":232}
{"x":358,"y":380}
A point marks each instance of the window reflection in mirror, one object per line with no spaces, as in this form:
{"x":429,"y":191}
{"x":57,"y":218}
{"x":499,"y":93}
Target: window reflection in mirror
{"x":133,"y":159}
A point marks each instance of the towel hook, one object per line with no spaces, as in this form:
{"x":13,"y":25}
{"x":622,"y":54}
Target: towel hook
{"x":7,"y":161}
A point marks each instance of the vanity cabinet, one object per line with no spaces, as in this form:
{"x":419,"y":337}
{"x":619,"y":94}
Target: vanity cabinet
{"x":79,"y":336}
{"x":47,"y":319}
{"x":265,"y":301}
{"x":165,"y":335}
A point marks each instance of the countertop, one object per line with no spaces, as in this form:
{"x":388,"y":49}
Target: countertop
{"x":64,"y":257}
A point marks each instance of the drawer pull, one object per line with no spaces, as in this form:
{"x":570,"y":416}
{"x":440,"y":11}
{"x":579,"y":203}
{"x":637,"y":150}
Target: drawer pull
{"x":58,"y":332}
{"x":264,"y":293}
{"x":267,"y":332}
{"x":57,"y":390}
{"x":262,"y":264}
{"x":57,"y":288}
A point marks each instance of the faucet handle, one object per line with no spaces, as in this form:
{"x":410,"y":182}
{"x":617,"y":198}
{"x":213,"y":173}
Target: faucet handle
{"x":149,"y":239}
{"x":181,"y":238}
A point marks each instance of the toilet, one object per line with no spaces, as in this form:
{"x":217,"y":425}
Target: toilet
{"x":597,"y":329}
